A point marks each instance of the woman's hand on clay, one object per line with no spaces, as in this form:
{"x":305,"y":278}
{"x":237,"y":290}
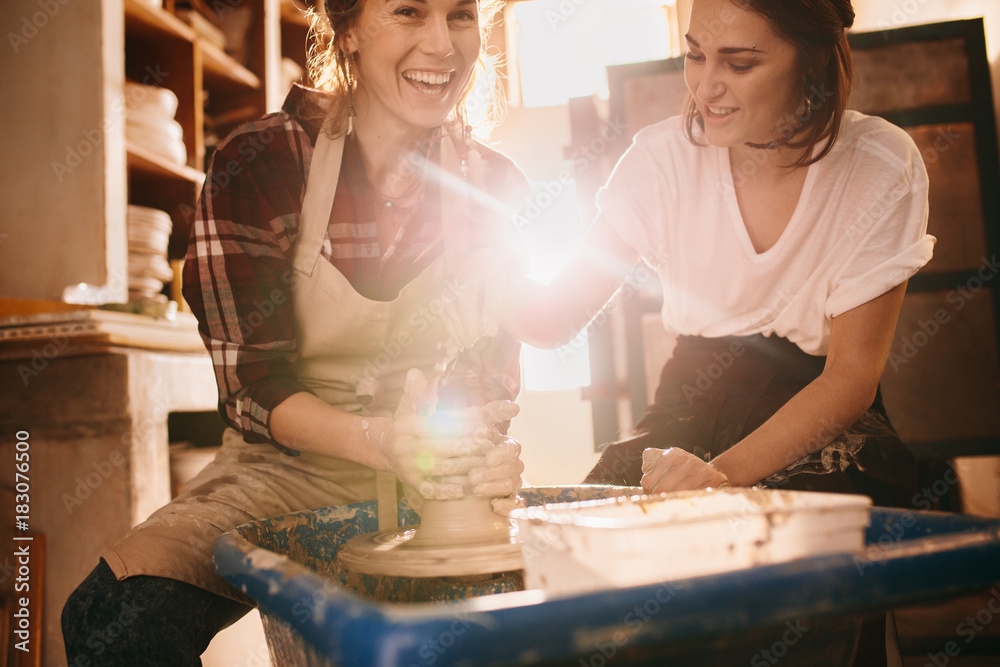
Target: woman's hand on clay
{"x":500,"y":479}
{"x":675,"y":469}
{"x":499,"y":476}
{"x":489,"y":460}
{"x":419,"y":451}
{"x":444,"y":454}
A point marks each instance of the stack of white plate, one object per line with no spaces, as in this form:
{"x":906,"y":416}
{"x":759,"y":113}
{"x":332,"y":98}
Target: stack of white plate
{"x":149,"y":121}
{"x":148,"y":237}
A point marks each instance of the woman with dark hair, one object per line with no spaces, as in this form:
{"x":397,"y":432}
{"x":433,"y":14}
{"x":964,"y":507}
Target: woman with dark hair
{"x":334,"y":270}
{"x":784,"y":229}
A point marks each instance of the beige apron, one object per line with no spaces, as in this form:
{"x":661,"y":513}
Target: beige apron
{"x":344,"y":340}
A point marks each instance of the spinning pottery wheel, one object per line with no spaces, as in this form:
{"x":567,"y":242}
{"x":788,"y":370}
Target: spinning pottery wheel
{"x":456,"y":538}
{"x":462,"y":537}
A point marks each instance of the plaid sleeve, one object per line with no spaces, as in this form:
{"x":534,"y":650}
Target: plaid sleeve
{"x":238,"y":270}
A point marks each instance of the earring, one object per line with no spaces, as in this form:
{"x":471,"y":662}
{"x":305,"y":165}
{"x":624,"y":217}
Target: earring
{"x":809,"y":102}
{"x":350,"y":95}
{"x":467,"y":140}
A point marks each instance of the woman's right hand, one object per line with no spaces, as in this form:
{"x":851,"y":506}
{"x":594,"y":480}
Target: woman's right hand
{"x":431,"y":453}
{"x":675,"y":469}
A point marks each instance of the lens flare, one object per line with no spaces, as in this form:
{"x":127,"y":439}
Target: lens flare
{"x":425,"y":461}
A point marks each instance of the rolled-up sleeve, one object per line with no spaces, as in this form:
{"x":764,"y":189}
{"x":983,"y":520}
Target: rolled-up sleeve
{"x":895,"y":244}
{"x":238,"y":272}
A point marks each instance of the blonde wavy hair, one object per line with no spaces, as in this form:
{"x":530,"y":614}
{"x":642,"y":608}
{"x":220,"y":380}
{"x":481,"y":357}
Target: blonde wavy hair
{"x":482,"y":102}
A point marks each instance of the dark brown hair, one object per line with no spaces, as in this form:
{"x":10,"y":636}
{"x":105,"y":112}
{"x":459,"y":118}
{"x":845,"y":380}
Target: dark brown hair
{"x":818,"y":31}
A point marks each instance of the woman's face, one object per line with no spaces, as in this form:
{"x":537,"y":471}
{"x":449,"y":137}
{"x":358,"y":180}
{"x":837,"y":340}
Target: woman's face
{"x":745,"y":79}
{"x":414,"y":59}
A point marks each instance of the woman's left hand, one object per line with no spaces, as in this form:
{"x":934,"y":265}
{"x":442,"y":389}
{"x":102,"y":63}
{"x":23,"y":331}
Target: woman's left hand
{"x":450,"y":453}
{"x":675,"y":469}
{"x":498,"y":475}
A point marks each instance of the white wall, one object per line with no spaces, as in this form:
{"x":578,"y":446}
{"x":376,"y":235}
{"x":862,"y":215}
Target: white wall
{"x":883,"y":14}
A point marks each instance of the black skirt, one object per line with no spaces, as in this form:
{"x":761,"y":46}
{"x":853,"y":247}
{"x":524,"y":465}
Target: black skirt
{"x":713,"y":392}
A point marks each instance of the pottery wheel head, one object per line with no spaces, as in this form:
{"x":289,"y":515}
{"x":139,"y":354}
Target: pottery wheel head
{"x":455,"y":538}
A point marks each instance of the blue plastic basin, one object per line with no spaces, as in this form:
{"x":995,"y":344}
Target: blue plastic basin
{"x":805,"y":612}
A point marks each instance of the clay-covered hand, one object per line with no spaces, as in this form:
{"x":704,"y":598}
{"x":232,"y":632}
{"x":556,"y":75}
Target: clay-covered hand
{"x":426,"y":452}
{"x":499,"y":476}
{"x":500,"y":473}
{"x":675,"y":469}
{"x":446,"y":454}
{"x":496,"y":466}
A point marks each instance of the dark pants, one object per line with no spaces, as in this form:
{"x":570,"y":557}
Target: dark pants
{"x":714,"y":392}
{"x":141,"y":620}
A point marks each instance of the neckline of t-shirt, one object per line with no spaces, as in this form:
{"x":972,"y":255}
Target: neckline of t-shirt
{"x":736,"y":216}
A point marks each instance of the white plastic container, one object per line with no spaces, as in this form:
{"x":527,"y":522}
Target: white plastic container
{"x":576,"y":547}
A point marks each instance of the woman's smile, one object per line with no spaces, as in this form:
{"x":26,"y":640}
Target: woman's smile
{"x":429,"y":83}
{"x":718,"y":112}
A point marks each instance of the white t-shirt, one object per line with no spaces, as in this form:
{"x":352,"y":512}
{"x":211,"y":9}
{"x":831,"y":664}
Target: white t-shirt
{"x":859,"y":229}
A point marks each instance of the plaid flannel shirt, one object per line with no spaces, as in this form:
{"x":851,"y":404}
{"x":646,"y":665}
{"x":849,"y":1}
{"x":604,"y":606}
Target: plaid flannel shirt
{"x":238,"y":269}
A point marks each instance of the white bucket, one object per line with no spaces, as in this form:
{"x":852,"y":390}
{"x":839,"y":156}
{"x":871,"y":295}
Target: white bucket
{"x":577,"y":547}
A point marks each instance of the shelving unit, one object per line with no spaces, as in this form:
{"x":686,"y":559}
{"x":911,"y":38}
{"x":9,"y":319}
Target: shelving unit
{"x":67,"y":194}
{"x":208,"y":82}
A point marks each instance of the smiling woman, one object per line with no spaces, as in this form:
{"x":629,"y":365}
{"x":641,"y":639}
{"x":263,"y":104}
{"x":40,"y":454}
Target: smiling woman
{"x":414,"y":61}
{"x":801,"y":73}
{"x":781,"y":226}
{"x":784,"y":230}
{"x":364,"y":223}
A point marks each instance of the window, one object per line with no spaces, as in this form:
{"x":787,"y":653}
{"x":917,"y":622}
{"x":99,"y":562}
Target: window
{"x":562,"y":47}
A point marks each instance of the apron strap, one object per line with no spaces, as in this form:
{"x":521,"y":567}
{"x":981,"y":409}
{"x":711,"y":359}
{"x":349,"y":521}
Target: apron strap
{"x":321,"y":188}
{"x":456,"y":194}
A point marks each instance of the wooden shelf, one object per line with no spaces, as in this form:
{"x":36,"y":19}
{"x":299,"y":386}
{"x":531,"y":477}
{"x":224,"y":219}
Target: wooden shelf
{"x":143,"y":18}
{"x":148,"y":162}
{"x":222,"y":72}
{"x":90,"y":326}
{"x":114,"y":42}
{"x":293,"y":11}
